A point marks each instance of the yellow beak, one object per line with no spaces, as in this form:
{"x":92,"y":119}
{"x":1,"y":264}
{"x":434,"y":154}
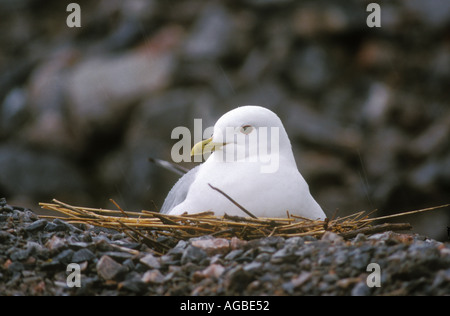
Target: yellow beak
{"x":205,"y":146}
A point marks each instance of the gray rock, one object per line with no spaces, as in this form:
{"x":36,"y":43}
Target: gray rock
{"x":211,"y":34}
{"x":83,"y":255}
{"x":16,"y":267}
{"x":13,"y":111}
{"x":361,"y":289}
{"x":37,"y":225}
{"x":285,"y":255}
{"x":150,"y":261}
{"x":102,"y":89}
{"x":193,"y":254}
{"x":5,"y":236}
{"x":108,"y":269}
{"x":311,"y":68}
{"x":76,"y":245}
{"x":332,"y":237}
{"x":253,"y":266}
{"x":134,"y":285}
{"x":232,"y":255}
{"x":64,"y":257}
{"x":120,"y":256}
{"x":434,"y":12}
{"x":153,"y":276}
{"x":37,"y":173}
{"x":20,"y":255}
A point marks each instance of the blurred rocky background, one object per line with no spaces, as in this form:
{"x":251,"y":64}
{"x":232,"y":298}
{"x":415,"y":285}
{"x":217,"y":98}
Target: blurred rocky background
{"x":367,"y":109}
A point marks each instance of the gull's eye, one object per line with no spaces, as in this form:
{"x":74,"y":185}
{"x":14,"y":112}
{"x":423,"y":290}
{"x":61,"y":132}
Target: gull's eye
{"x":246,"y":129}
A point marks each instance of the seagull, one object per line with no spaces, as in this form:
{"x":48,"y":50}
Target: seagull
{"x":251,"y":161}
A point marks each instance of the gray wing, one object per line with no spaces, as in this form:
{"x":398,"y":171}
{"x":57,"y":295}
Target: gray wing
{"x":169,"y":166}
{"x":179,"y":191}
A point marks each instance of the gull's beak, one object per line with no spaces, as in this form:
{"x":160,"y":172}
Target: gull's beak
{"x":205,"y":146}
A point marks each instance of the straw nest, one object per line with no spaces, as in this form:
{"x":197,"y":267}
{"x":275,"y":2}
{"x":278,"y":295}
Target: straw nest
{"x":147,"y":226}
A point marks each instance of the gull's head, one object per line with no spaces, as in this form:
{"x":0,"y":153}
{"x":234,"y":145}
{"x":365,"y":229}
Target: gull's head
{"x":246,"y":133}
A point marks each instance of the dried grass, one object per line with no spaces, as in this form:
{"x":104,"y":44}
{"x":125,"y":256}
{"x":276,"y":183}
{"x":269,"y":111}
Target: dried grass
{"x":147,"y":226}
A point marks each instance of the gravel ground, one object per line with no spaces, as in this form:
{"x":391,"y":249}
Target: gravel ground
{"x":35,"y":254}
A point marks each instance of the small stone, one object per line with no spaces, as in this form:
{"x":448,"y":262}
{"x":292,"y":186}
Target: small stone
{"x":128,"y":263}
{"x":340,"y":259}
{"x":263,"y":257}
{"x":83,"y":255}
{"x":193,"y":254}
{"x":442,"y":277}
{"x":65,"y":257}
{"x":213,"y":246}
{"x":16,"y":266}
{"x":52,"y":227}
{"x":347,"y":282}
{"x":107,"y":268}
{"x":182,"y":244}
{"x":55,"y":243}
{"x":361,"y":289}
{"x":210,"y":35}
{"x":37,"y":225}
{"x":4,"y":236}
{"x":63,"y":226}
{"x":232,"y":255}
{"x":78,"y":245}
{"x":20,"y":255}
{"x":295,"y":241}
{"x":29,"y":216}
{"x":252,"y":266}
{"x":212,"y":271}
{"x":150,"y":261}
{"x":285,"y":255}
{"x":360,"y":238}
{"x":359,"y":260}
{"x":236,"y":243}
{"x":118,"y":236}
{"x":7,"y":208}
{"x":301,"y":279}
{"x":445,"y":252}
{"x":153,"y":276}
{"x":238,"y":279}
{"x":134,"y":285}
{"x":332,"y":237}
{"x":119,"y":256}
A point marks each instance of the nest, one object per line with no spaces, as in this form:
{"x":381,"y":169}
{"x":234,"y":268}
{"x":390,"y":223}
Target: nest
{"x":147,"y":226}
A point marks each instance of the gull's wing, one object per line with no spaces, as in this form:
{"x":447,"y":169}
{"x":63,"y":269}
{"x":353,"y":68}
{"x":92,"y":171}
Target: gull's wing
{"x":179,"y":191}
{"x":169,"y":166}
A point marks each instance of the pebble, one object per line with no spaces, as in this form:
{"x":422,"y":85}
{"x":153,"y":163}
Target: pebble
{"x":55,"y":243}
{"x":150,"y":261}
{"x":82,"y":255}
{"x":64,"y":257}
{"x":193,"y":254}
{"x":37,"y":225}
{"x":153,"y":276}
{"x":107,"y":268}
{"x":332,"y":237}
{"x":410,"y":264}
{"x":213,"y":246}
{"x":361,"y":289}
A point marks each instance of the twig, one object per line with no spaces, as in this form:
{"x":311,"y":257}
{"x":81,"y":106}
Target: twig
{"x":377,"y":229}
{"x":407,"y":213}
{"x":148,"y":241}
{"x":118,"y":207}
{"x":233,"y":201}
